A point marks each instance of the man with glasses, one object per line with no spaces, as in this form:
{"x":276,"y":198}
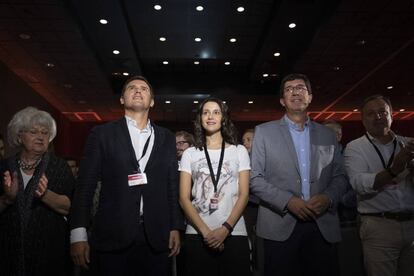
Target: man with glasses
{"x":298,"y":175}
{"x":379,"y":169}
{"x":183,"y":140}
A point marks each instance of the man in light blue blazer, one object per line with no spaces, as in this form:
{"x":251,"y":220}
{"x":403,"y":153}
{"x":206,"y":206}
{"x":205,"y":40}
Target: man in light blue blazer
{"x":297,"y":172}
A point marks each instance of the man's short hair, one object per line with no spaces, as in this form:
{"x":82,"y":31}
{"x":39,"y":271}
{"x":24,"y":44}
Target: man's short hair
{"x":291,"y":77}
{"x":376,"y":97}
{"x":187,"y":136}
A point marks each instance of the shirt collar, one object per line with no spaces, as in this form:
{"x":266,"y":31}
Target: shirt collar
{"x":374,"y":140}
{"x":293,"y":125}
{"x":133,"y":123}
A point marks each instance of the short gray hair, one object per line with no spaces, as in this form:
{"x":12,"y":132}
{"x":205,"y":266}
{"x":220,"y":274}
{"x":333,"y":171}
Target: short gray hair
{"x":26,"y":119}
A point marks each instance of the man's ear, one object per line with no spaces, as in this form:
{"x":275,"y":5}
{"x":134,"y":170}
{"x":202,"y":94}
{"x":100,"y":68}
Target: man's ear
{"x":121,"y":100}
{"x":282,"y":101}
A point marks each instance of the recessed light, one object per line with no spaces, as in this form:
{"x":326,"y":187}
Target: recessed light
{"x":167,"y":102}
{"x":273,"y":75}
{"x":390,"y":87}
{"x":240,"y":9}
{"x":250,"y":102}
{"x":197,"y":39}
{"x":50,"y":65}
{"x":232,"y":40}
{"x":116,"y":52}
{"x":163,"y":38}
{"x":199,"y":8}
{"x":116,"y":74}
{"x":227,"y":63}
{"x":402,"y":110}
{"x":24,"y":36}
{"x":157,"y":7}
{"x":355,"y":110}
{"x":196,"y":102}
{"x":277,"y":54}
{"x":165,"y":62}
{"x":196,"y":62}
{"x":265,"y":75}
{"x":103,"y":21}
{"x":224,"y":102}
{"x":292,"y":25}
{"x":125,"y":73}
{"x":362,"y":42}
{"x":337,"y":68}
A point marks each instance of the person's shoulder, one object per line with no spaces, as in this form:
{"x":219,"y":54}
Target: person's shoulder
{"x":108,"y":125}
{"x":163,"y":130}
{"x":358,"y":142}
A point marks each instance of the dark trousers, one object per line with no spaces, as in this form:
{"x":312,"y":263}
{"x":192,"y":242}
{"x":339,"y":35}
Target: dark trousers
{"x":305,"y":252}
{"x":201,"y":260}
{"x":137,"y":259}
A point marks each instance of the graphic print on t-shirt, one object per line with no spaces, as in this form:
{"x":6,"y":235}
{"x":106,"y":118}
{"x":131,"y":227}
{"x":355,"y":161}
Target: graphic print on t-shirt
{"x":204,"y":192}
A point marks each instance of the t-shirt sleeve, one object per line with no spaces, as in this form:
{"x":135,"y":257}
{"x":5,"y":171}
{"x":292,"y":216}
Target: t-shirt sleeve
{"x":185,"y":164}
{"x":244,"y":158}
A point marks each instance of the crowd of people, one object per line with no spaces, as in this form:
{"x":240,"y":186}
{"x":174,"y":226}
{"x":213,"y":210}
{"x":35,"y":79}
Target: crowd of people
{"x":141,"y":201}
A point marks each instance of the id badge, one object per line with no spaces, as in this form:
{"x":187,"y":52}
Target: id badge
{"x":137,"y":179}
{"x":213,"y":203}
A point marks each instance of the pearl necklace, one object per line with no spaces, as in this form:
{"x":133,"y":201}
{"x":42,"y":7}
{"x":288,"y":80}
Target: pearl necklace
{"x":28,"y":167}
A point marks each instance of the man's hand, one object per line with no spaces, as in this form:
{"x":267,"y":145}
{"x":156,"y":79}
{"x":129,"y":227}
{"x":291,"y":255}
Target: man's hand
{"x":319,"y":204}
{"x":79,"y":252}
{"x":300,"y":209}
{"x":174,"y":243}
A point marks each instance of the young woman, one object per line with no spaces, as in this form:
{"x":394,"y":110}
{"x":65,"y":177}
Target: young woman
{"x":214,"y":190}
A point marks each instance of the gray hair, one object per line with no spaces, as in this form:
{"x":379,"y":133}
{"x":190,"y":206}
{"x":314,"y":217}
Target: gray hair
{"x":26,"y":119}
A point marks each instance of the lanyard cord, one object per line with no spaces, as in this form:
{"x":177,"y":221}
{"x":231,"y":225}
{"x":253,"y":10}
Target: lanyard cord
{"x":380,"y":155}
{"x":214,"y":179}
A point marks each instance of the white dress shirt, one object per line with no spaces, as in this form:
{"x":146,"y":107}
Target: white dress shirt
{"x":363,"y":163}
{"x":138,"y":138}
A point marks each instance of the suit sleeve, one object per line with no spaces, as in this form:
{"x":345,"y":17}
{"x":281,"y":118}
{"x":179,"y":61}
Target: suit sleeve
{"x":268,"y":193}
{"x":90,"y":168}
{"x":176,"y":216}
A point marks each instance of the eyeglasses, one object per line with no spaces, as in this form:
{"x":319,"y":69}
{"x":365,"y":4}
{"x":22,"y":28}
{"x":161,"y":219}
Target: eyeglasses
{"x":181,"y":143}
{"x":300,"y":89}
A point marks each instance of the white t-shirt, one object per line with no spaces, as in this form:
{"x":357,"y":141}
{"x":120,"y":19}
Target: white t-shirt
{"x":194,"y":162}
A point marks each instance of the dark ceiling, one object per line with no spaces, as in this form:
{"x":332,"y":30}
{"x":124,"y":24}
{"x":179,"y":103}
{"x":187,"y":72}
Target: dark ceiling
{"x":349,"y":49}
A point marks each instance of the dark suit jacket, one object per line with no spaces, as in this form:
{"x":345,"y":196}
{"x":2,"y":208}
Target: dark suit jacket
{"x":110,"y":157}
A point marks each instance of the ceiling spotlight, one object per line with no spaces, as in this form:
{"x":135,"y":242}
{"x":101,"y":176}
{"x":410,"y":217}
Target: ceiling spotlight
{"x":240,"y":9}
{"x":292,"y":25}
{"x":196,"y":62}
{"x":402,"y":110}
{"x":390,"y":87}
{"x":337,"y":68}
{"x":116,"y":74}
{"x":277,"y":54}
{"x":250,"y":102}
{"x":224,"y":102}
{"x":199,"y":8}
{"x":165,"y":62}
{"x":50,"y":65}
{"x":355,"y":110}
{"x":103,"y":21}
{"x":24,"y":36}
{"x":197,"y":39}
{"x":125,"y":73}
{"x":232,"y":40}
{"x":362,"y":42}
{"x":227,"y":63}
{"x":265,"y":75}
{"x":163,"y":38}
{"x":167,"y":102}
{"x":116,"y":52}
{"x":157,"y":7}
{"x":196,"y":102}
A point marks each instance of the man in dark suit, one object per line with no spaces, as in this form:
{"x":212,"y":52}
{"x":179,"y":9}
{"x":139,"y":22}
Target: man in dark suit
{"x":297,"y":174}
{"x":136,"y":225}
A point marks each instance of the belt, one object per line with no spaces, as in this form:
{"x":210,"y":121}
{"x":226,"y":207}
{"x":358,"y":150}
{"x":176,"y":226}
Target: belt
{"x":400,"y":216}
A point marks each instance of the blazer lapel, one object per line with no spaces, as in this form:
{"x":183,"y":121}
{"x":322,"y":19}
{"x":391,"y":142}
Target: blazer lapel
{"x":126,"y":141}
{"x":158,"y":141}
{"x":289,"y":142}
{"x":313,"y":148}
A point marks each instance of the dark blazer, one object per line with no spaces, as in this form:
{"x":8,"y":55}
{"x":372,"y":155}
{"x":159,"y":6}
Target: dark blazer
{"x":110,"y":157}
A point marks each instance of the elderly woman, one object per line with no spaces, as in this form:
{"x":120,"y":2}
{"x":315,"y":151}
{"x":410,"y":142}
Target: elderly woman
{"x":35,"y":192}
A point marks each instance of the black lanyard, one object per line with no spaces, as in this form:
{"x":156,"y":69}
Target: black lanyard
{"x":214,"y":179}
{"x":144,"y":151}
{"x":380,"y":155}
